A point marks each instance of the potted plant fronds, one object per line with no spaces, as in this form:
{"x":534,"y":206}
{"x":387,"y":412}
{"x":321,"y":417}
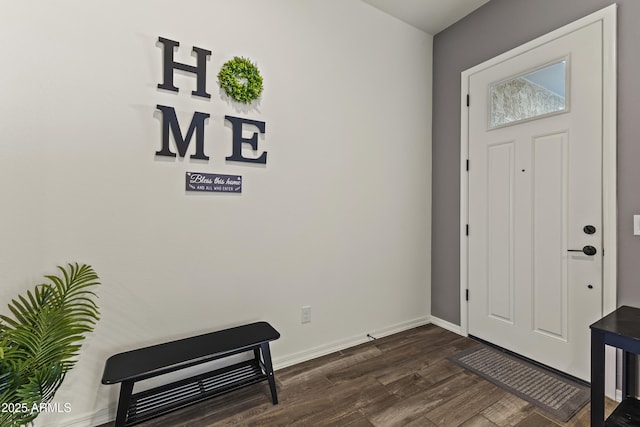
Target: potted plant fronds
{"x":40,"y":343}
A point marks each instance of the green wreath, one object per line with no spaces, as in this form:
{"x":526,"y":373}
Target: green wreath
{"x":241,"y":80}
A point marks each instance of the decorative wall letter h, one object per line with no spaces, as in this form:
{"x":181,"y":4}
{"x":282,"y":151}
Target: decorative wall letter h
{"x":200,"y":70}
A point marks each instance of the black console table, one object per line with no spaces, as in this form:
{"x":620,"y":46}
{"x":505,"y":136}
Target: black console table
{"x":137,"y":365}
{"x":619,"y":329}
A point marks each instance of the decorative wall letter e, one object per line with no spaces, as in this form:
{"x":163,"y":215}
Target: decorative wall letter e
{"x":238,"y":140}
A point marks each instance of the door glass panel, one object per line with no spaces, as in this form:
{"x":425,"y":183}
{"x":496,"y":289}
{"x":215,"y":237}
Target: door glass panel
{"x":537,"y":93}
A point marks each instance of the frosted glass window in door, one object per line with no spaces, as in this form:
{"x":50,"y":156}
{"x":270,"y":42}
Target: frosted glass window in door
{"x":537,"y":93}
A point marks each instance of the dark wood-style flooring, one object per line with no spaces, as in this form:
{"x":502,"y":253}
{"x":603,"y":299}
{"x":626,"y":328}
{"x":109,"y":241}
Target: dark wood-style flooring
{"x":399,"y":380}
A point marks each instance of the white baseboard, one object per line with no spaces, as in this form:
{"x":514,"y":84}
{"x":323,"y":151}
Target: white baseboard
{"x":447,"y":325}
{"x":323,"y":350}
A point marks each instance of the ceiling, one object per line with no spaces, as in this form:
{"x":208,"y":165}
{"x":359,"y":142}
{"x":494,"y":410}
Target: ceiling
{"x":430,"y":16}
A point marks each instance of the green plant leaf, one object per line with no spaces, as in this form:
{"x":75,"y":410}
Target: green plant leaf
{"x":41,"y":343}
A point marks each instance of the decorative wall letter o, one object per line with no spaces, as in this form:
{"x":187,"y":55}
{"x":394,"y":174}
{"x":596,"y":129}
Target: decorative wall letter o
{"x":241,"y":80}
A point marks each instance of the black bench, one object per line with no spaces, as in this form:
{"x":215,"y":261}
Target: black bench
{"x":136,"y":365}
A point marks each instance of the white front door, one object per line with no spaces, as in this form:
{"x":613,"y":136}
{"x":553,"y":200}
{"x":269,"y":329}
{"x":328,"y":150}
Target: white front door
{"x":535,"y":200}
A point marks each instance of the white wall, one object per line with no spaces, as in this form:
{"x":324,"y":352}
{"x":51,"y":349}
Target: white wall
{"x":339,"y":218}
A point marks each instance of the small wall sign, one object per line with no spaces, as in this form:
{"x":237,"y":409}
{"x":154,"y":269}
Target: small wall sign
{"x":213,"y":183}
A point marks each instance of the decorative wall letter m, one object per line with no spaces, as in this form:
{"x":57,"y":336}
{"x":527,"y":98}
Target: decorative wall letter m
{"x":170,"y":123}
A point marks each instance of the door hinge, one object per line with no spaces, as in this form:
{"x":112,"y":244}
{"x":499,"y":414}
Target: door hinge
{"x":467,"y":229}
{"x":467,"y":295}
{"x":468,"y":98}
{"x":467,"y":165}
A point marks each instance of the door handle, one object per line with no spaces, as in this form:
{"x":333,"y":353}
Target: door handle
{"x":587,"y":250}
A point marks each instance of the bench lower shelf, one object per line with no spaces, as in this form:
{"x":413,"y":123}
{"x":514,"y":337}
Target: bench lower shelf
{"x":161,"y":400}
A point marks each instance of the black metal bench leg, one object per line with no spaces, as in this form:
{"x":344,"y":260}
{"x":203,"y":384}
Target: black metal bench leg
{"x":126,"y":388}
{"x":266,"y":356}
{"x":597,"y":378}
{"x":629,"y":375}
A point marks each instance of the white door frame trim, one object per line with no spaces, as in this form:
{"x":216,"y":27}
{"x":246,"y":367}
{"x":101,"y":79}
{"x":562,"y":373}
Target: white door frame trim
{"x":609,"y":169}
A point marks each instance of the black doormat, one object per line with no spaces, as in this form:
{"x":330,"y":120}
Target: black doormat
{"x":553,"y":393}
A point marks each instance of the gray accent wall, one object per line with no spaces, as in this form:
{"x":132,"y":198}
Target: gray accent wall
{"x":497,"y":27}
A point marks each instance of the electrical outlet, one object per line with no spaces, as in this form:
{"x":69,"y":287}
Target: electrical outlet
{"x":306,"y":314}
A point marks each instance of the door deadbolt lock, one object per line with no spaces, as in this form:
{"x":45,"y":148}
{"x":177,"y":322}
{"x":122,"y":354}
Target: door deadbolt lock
{"x":589,"y":229}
